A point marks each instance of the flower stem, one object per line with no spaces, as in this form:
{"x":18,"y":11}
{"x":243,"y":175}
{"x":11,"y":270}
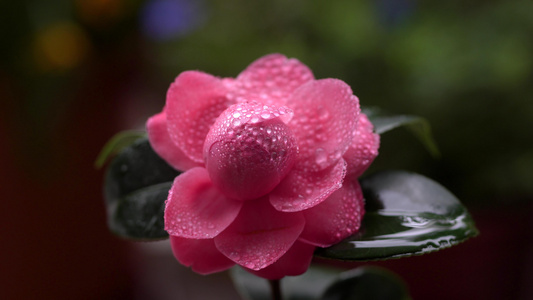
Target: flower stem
{"x":275,"y":287}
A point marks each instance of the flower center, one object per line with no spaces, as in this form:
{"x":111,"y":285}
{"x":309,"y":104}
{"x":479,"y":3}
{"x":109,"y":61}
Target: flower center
{"x":250,"y":149}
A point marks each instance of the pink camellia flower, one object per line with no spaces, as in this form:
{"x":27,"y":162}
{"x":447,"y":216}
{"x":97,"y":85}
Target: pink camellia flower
{"x":270,"y":160}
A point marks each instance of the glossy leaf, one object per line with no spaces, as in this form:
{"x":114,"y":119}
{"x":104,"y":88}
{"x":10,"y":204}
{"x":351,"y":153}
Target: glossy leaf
{"x":406,"y":214}
{"x":116,"y":144}
{"x":136,"y":187}
{"x":367,"y":283}
{"x":417,"y":125}
{"x":309,"y":285}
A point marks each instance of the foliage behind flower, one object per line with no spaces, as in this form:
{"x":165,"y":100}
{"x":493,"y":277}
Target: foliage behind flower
{"x":271,"y":162}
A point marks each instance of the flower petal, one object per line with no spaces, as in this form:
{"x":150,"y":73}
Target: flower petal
{"x":196,"y":209}
{"x":295,"y":262}
{"x":164,"y":146}
{"x":194,"y":101}
{"x":335,"y":219}
{"x":249,"y":150}
{"x":303,"y":189}
{"x":260,"y":235}
{"x":364,"y":148}
{"x":201,"y":255}
{"x":325,"y":117}
{"x":271,"y":80}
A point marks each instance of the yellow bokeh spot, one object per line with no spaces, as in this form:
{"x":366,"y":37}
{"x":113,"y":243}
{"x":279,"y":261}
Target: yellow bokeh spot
{"x":61,"y":46}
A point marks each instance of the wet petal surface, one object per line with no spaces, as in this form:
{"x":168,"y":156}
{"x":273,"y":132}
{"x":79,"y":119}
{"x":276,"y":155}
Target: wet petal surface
{"x":335,"y":219}
{"x":303,"y":189}
{"x":196,"y":209}
{"x":270,"y":80}
{"x":364,"y":148}
{"x":201,"y":255}
{"x":295,"y":262}
{"x":260,"y":235}
{"x":249,"y":150}
{"x":164,"y":146}
{"x":194,"y":101}
{"x":325,"y":117}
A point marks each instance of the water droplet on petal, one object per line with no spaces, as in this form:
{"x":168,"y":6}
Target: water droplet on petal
{"x":321,"y":157}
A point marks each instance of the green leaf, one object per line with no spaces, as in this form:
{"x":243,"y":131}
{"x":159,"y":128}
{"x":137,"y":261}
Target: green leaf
{"x":406,"y":214}
{"x":136,"y":187}
{"x":309,"y":285}
{"x":367,"y":283}
{"x":116,"y":144}
{"x":417,"y":125}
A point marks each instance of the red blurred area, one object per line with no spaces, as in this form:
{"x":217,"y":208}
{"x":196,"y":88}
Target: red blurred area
{"x":54,"y":241}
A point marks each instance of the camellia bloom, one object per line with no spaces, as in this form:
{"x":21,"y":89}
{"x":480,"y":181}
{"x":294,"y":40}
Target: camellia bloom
{"x":270,"y":160}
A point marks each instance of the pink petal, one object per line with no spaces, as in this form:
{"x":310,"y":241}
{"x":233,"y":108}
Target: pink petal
{"x":260,"y":235}
{"x":249,"y":150}
{"x":196,"y":209}
{"x":303,"y":189}
{"x":335,"y":219}
{"x":271,"y":80}
{"x":364,"y":148}
{"x":295,"y":262}
{"x":325,"y":117}
{"x":194,"y":101}
{"x":201,"y":255}
{"x":164,"y":146}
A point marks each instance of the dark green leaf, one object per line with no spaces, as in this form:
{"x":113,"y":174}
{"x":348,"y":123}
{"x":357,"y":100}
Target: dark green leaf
{"x":367,"y":283}
{"x":309,"y":285}
{"x":116,"y":144}
{"x":406,"y":214}
{"x":136,"y":187}
{"x":417,"y":125}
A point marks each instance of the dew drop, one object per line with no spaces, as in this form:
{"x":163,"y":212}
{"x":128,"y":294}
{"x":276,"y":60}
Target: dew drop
{"x":265,"y":115}
{"x":321,"y":157}
{"x":323,"y":114}
{"x":235,"y":255}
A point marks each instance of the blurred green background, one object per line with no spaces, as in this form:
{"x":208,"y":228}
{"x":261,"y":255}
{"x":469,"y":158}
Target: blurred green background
{"x":72,"y":73}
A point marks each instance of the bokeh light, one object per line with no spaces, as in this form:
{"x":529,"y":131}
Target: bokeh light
{"x":60,"y":46}
{"x":168,"y":19}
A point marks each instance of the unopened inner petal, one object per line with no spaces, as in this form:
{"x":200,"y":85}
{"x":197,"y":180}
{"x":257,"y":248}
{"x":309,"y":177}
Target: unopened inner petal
{"x":250,"y":149}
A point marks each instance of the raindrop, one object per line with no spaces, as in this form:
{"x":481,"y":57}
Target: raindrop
{"x":323,"y":114}
{"x":321,"y":157}
{"x":235,"y":255}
